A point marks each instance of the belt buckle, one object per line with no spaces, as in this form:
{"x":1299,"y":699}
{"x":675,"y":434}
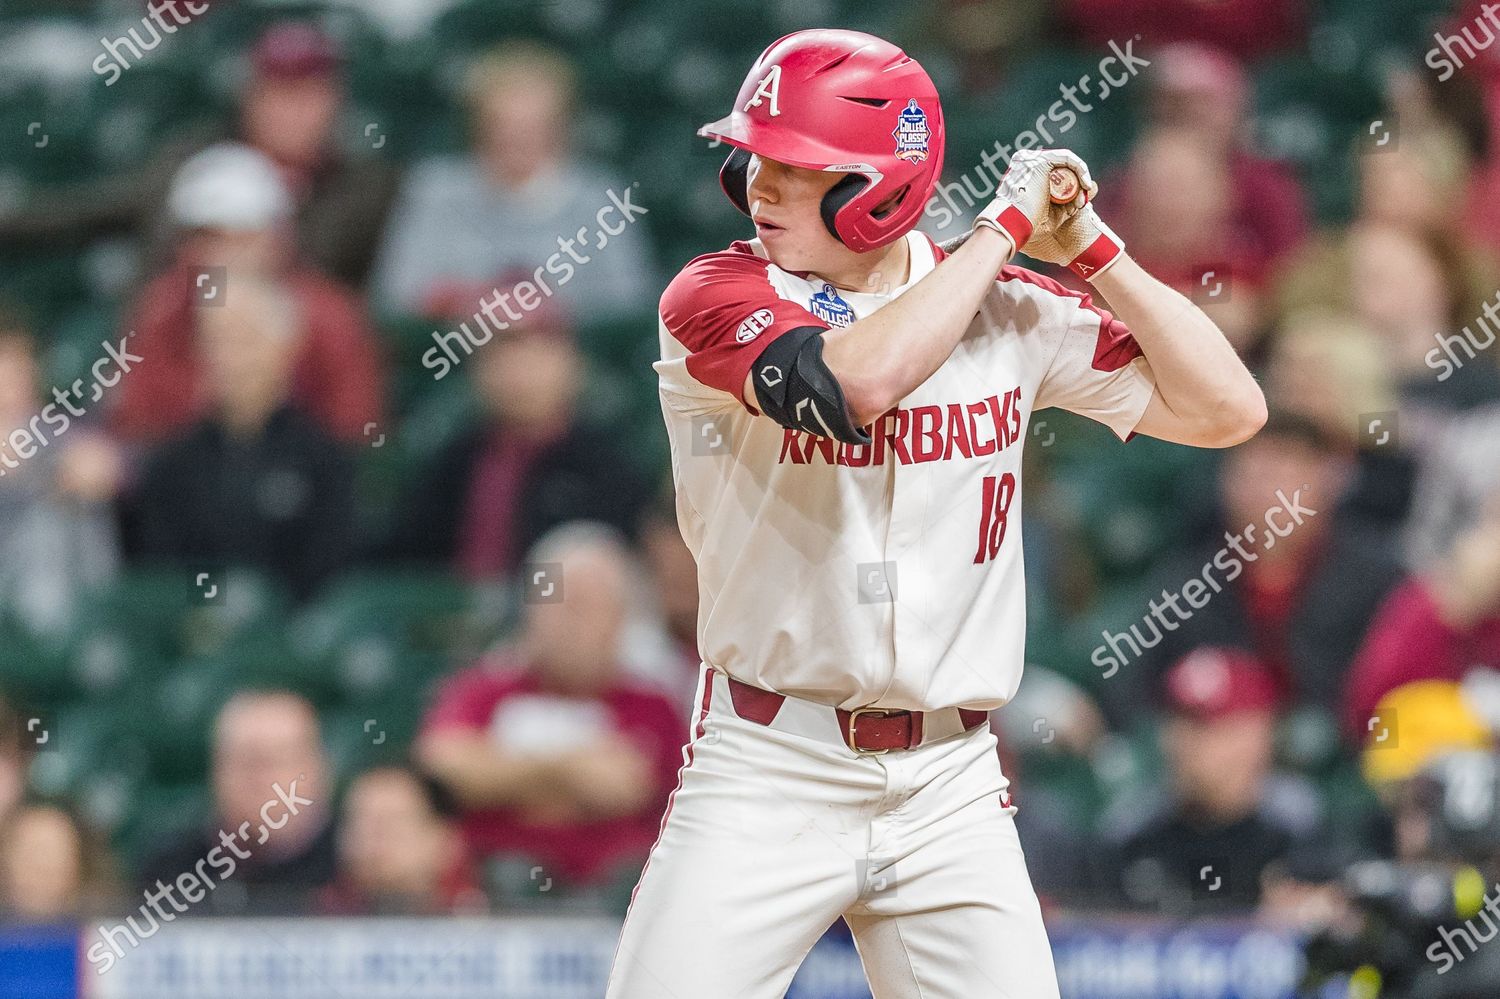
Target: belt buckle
{"x":853,"y":740}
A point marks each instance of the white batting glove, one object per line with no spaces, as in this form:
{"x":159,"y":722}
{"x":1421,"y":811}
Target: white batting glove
{"x":1070,"y":234}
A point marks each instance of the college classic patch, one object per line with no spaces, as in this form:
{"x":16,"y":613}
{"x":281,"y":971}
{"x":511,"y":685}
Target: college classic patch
{"x":827,"y":306}
{"x":912,"y":133}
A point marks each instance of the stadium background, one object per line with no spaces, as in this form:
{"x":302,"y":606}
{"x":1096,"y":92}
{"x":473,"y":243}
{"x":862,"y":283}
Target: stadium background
{"x":1350,"y":166}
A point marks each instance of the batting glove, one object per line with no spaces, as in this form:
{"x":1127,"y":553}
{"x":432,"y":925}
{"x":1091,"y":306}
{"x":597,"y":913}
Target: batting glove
{"x":1070,"y":234}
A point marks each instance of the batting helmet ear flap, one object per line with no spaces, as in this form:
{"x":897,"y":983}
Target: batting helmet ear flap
{"x":732,"y":178}
{"x":838,"y":196}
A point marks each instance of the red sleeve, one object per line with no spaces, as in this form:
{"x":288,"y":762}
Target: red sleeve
{"x":938,"y":253}
{"x":338,"y":377}
{"x":162,"y":394}
{"x":723,"y":310}
{"x":466,"y":701}
{"x":1407,"y":641}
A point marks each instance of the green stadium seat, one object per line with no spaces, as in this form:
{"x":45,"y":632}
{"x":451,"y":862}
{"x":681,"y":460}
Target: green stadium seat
{"x":480,"y":24}
{"x":154,"y":600}
{"x":1346,"y":795}
{"x":621,"y":344}
{"x":76,"y":341}
{"x":174,"y":716}
{"x":250,"y":604}
{"x":156,"y":98}
{"x":435,"y":419}
{"x":1313,"y":116}
{"x":1067,"y":782}
{"x":31,"y":672}
{"x":48,"y":131}
{"x":1115,"y":608}
{"x":91,"y":757}
{"x":160,"y":810}
{"x":269,"y":660}
{"x":1309,"y":741}
{"x":1128,"y":765}
{"x":18,"y":11}
{"x":375,"y":734}
{"x":363,"y":628}
{"x":147,"y":616}
{"x":47,"y":282}
{"x":1128,"y":504}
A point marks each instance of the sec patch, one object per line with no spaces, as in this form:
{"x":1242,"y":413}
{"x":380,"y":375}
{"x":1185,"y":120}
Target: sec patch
{"x":754,"y":325}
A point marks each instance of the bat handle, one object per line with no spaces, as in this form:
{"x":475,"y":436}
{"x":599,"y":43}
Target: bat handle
{"x":1062,"y":187}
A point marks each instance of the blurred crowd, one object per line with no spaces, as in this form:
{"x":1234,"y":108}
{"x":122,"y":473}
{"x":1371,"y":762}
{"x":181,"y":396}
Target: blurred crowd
{"x":1239,"y":756}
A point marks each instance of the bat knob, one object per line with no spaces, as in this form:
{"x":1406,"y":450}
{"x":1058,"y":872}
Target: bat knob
{"x":1062,"y":185}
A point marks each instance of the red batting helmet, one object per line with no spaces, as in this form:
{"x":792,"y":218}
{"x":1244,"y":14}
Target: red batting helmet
{"x":845,"y":102}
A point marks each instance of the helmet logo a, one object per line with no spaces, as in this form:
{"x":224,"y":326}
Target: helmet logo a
{"x":768,"y":90}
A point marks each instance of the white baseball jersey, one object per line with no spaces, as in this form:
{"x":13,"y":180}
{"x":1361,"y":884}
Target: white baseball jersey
{"x":888,"y":574}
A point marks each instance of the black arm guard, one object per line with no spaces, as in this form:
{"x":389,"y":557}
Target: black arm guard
{"x":795,"y":388}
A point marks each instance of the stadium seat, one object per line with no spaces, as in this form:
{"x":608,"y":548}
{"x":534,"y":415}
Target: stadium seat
{"x":362,"y":629}
{"x":377,"y":733}
{"x":1313,"y":117}
{"x":1128,"y":503}
{"x":621,"y":344}
{"x":93,"y":758}
{"x":174,"y":717}
{"x":479,"y":24}
{"x":250,"y":604}
{"x":1127,"y":765}
{"x":268,"y":659}
{"x":1349,"y":801}
{"x":49,"y":128}
{"x":1064,"y":784}
{"x":159,"y":810}
{"x":49,"y":282}
{"x":124,"y":630}
{"x":31,"y":672}
{"x":163,"y":613}
{"x":76,"y":341}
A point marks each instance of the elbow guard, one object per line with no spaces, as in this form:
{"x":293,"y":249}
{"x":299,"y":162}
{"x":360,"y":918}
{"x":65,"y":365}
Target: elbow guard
{"x":795,"y":388}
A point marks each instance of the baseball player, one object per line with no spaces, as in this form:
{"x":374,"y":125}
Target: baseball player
{"x":847,"y":403}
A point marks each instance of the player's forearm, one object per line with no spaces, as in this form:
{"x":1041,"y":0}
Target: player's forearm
{"x":479,"y":776}
{"x":879,"y":359}
{"x":1213,"y":399}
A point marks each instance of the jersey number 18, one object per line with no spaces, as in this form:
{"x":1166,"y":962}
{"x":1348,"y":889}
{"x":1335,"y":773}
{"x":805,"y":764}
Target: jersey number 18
{"x":994,"y":514}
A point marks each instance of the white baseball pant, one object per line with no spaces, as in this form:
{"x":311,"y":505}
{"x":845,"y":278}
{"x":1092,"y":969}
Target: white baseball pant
{"x":775,"y":831}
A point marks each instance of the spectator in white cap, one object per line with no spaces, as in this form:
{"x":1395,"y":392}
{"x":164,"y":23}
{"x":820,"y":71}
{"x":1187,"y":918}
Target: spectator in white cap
{"x":232,"y":213}
{"x":230,"y":187}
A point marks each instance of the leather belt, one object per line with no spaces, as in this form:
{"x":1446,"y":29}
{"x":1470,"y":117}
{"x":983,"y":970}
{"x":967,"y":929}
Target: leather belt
{"x":867,"y":731}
